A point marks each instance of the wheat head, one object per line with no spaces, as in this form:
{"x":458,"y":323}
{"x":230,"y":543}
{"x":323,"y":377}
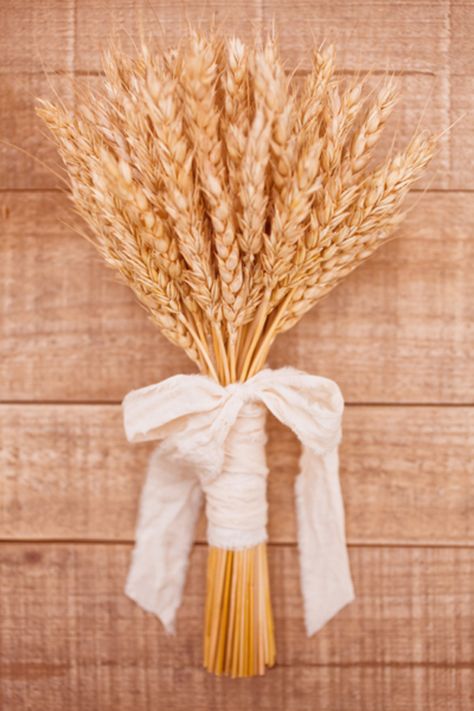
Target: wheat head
{"x":230,"y":199}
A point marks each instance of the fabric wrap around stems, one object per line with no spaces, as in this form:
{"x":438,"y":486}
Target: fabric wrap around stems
{"x":213,"y":442}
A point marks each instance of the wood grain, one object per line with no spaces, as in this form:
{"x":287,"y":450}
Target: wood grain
{"x":400,"y":329}
{"x":72,"y":639}
{"x":412,"y":37}
{"x":407,"y":474}
{"x":29,"y":157}
{"x":37,"y":35}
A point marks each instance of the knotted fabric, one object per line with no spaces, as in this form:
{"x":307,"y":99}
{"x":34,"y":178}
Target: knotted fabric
{"x":213,"y":443}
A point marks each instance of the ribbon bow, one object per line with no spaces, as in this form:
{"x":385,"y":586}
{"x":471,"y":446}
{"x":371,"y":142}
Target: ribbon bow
{"x":213,"y":442}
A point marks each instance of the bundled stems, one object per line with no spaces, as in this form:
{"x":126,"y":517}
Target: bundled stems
{"x":239,"y":637}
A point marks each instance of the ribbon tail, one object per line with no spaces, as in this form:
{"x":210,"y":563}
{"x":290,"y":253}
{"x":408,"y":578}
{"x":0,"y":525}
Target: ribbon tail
{"x":169,"y":509}
{"x":325,"y":574}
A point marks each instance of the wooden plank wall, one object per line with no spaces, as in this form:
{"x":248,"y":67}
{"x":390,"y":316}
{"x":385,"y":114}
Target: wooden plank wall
{"x":398,"y":336}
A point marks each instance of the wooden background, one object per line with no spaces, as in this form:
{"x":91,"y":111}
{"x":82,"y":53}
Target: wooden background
{"x":398,"y":336}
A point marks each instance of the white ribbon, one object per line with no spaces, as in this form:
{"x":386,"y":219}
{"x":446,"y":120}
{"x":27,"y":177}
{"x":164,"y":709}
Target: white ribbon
{"x":213,"y":441}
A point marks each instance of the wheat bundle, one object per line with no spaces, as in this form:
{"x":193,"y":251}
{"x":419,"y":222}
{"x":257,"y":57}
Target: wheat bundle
{"x":231,"y":200}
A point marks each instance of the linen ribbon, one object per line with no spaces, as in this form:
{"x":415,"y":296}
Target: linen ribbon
{"x":212,"y":443}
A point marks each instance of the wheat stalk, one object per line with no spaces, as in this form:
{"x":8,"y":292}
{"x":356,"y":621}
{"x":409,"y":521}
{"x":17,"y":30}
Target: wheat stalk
{"x":231,"y":203}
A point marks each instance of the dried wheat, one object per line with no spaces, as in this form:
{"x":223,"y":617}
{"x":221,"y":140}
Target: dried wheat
{"x":230,"y":203}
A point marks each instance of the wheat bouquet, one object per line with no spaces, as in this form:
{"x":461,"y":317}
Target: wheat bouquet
{"x":231,"y":200}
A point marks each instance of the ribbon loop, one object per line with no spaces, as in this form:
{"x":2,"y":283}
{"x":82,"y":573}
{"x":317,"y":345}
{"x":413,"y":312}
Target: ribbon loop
{"x":212,"y":440}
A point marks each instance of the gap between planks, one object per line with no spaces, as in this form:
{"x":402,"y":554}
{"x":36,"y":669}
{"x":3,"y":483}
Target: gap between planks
{"x":117,"y":403}
{"x":342,"y":72}
{"x":416,"y":191}
{"x":465,"y":545}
